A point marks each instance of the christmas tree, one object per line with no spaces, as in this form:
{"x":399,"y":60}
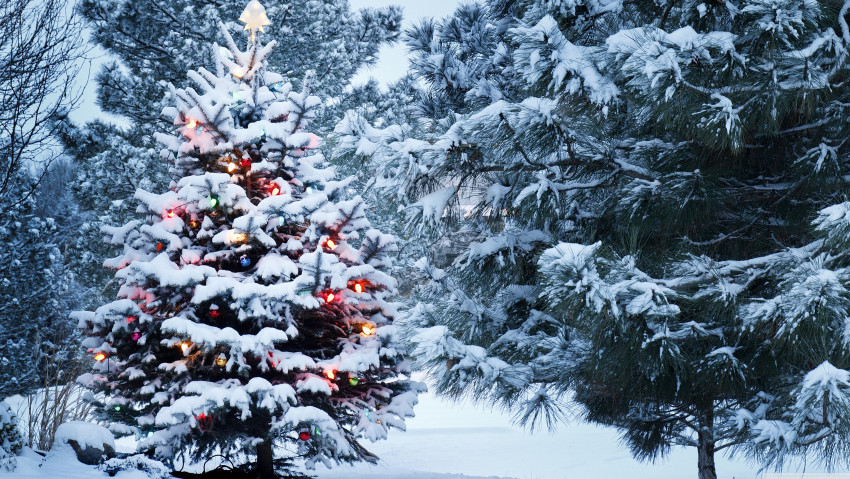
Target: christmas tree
{"x":253,"y":311}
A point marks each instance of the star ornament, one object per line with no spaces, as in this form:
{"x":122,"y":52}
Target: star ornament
{"x":254,"y":17}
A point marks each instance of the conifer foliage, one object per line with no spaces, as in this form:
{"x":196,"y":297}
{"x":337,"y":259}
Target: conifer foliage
{"x":253,"y":309}
{"x":640,"y":180}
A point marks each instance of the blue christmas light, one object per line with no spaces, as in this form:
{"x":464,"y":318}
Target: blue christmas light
{"x":245,"y":261}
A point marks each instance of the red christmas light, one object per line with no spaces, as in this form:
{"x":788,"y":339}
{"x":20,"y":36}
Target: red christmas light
{"x":205,"y":422}
{"x":304,"y":435}
{"x":331,"y":244}
{"x":136,"y":336}
{"x":130,"y":319}
{"x":358,"y":288}
{"x":330,"y":297}
{"x":99,"y":357}
{"x":214,"y":313}
{"x":170,"y":213}
{"x":245,"y":162}
{"x":331,"y":374}
{"x":274,"y":190}
{"x":159,"y":246}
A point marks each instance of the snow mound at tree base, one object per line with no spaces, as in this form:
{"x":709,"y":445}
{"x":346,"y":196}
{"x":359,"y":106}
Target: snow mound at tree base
{"x":61,"y":464}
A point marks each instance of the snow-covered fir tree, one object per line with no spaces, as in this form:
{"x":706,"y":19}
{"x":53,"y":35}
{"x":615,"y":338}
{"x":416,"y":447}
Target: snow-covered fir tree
{"x":254,"y":314}
{"x":638,"y":179}
{"x":37,"y":291}
{"x":154,"y":43}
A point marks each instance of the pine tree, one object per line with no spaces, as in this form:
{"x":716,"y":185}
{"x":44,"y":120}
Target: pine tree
{"x":253,"y":309}
{"x":37,"y":291}
{"x":639,"y":180}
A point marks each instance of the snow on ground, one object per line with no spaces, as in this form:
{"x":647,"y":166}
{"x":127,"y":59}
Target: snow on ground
{"x":60,"y":464}
{"x":459,"y":438}
{"x":449,"y":440}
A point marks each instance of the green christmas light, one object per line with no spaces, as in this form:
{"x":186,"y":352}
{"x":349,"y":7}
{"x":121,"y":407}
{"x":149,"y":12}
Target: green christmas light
{"x":214,"y":201}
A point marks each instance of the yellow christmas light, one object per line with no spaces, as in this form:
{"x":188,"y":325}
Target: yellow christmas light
{"x":235,"y":237}
{"x":367,"y":330}
{"x":185,"y":346}
{"x":254,"y":17}
{"x":231,"y":167}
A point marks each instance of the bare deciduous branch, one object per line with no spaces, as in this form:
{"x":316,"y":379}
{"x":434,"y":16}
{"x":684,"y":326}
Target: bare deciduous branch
{"x":42,"y":51}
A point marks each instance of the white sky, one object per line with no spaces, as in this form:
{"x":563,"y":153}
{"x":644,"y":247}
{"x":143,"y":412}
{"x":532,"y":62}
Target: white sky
{"x":392,"y":62}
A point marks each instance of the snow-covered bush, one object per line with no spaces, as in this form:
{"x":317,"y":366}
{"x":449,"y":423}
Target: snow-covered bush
{"x":11,"y":441}
{"x":152,"y":469}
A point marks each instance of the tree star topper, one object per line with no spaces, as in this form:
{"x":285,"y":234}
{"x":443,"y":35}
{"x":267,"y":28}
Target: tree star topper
{"x":254,"y":17}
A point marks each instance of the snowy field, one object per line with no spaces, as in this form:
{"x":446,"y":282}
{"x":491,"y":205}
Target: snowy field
{"x":462,"y":441}
{"x":446,"y":440}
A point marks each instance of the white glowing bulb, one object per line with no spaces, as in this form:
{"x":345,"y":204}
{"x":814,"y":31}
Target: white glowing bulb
{"x":254,"y":17}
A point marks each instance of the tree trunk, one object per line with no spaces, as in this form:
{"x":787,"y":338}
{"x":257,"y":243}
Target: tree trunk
{"x":265,"y":460}
{"x":705,"y":445}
